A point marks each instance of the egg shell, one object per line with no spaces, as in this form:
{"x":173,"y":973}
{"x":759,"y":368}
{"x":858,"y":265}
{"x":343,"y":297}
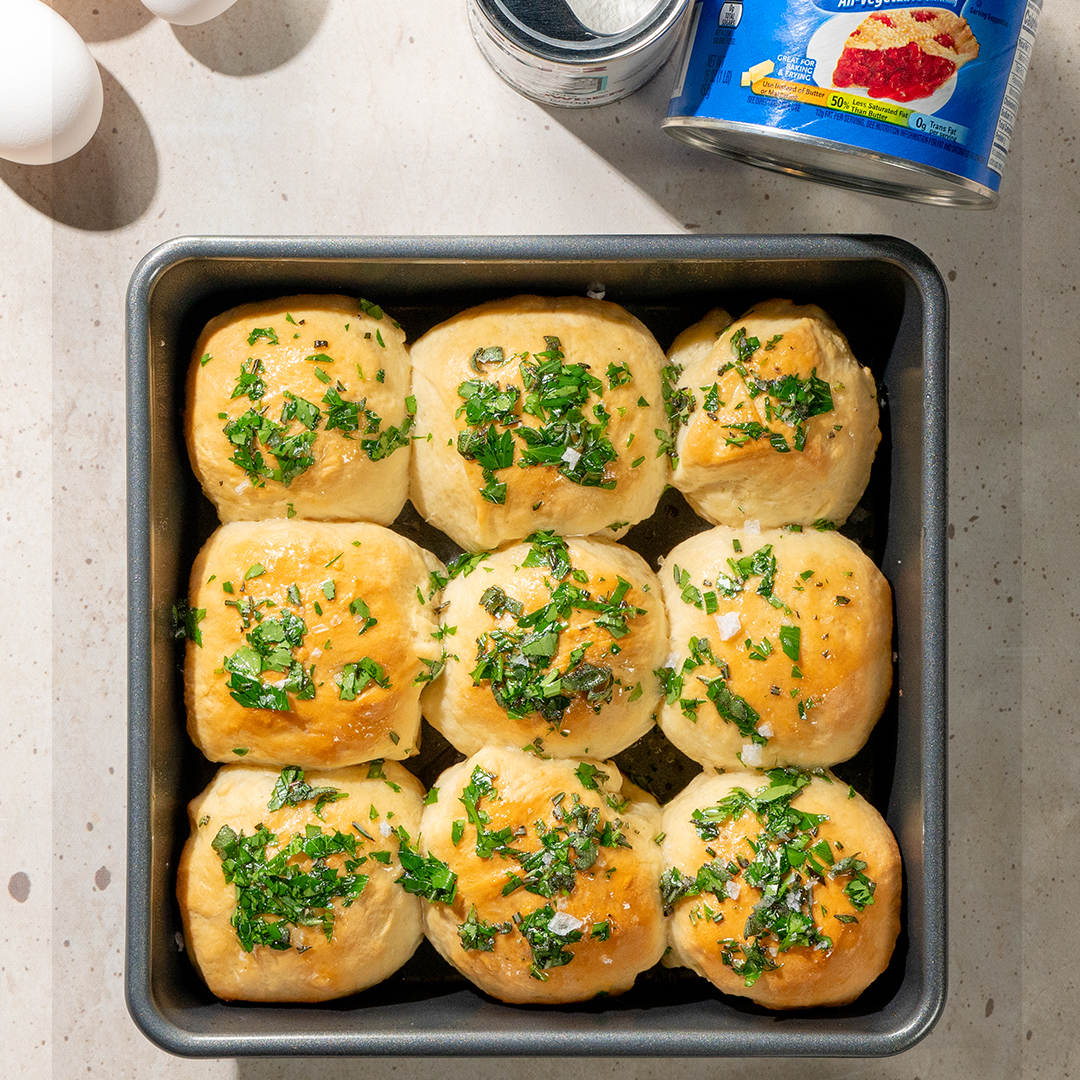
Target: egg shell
{"x":188,"y":12}
{"x":51,"y":95}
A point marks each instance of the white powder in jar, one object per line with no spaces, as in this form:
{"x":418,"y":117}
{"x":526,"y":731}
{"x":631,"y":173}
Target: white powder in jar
{"x":610,"y":16}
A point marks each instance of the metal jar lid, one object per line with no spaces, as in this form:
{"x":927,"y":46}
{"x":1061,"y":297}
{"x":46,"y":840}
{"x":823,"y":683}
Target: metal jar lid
{"x":545,"y":50}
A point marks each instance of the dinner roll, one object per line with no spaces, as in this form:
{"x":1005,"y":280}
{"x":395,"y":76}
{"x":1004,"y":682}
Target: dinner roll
{"x":784,"y":887}
{"x":554,"y":643}
{"x":300,"y":406}
{"x":558,"y":870}
{"x":781,"y":647}
{"x":543,"y":413}
{"x":308,"y":643}
{"x":776,"y":422}
{"x":288,"y":884}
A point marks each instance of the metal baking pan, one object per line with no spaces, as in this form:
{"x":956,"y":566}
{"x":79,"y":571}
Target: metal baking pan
{"x":889,"y":300}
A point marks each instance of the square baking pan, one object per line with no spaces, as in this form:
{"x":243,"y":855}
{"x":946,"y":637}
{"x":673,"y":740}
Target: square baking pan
{"x":889,"y":300}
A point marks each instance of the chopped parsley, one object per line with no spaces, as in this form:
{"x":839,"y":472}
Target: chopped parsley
{"x":425,"y":875}
{"x":570,"y":847}
{"x":253,"y":432}
{"x":547,"y":940}
{"x":590,"y":776}
{"x":790,"y":638}
{"x":679,"y":404}
{"x":291,"y":788}
{"x":493,"y":354}
{"x":383,"y":443}
{"x":571,"y":841}
{"x":249,"y":383}
{"x":571,"y":434}
{"x":269,"y":647}
{"x":344,"y":416}
{"x":300,"y":409}
{"x":557,"y":394}
{"x":355,"y":677}
{"x":759,"y":652}
{"x":518,"y":663}
{"x":290,"y":439}
{"x":550,"y":550}
{"x":488,"y":841}
{"x":789,"y":859}
{"x":479,"y":936}
{"x":185,"y":621}
{"x":788,"y":399}
{"x":431,"y":669}
{"x":734,"y":709}
{"x":274,"y":894}
{"x":618,"y":375}
{"x":359,"y":608}
{"x":464,"y":564}
{"x":761,"y":564}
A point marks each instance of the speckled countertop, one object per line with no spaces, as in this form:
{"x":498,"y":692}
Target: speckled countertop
{"x":347,"y":116}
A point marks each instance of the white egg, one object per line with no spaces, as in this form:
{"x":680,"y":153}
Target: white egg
{"x":188,"y":12}
{"x":50,"y":87}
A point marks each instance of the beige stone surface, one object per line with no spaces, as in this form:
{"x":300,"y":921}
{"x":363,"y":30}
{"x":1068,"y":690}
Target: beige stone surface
{"x":348,"y":116}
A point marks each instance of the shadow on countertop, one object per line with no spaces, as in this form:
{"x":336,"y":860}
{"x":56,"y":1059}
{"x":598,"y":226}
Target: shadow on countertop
{"x":702,"y":191}
{"x":708,"y":193}
{"x":253,"y":36}
{"x":105,"y":20}
{"x":106,"y":185}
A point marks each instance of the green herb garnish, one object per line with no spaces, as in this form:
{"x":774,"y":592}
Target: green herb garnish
{"x":425,"y":875}
{"x":274,"y":894}
{"x":789,"y":858}
{"x":547,"y":939}
{"x":269,"y":648}
{"x":185,"y":621}
{"x":479,"y":936}
{"x":355,"y":677}
{"x":571,"y":435}
{"x":291,"y":788}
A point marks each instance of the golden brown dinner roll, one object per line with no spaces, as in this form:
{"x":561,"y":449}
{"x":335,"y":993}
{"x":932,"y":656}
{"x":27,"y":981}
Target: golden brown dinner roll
{"x":300,"y":406}
{"x":288,"y":884}
{"x":781,"y":647}
{"x":776,"y":423}
{"x":784,"y":887}
{"x":554,"y":640}
{"x":543,"y":414}
{"x":558,"y":870}
{"x":309,"y":643}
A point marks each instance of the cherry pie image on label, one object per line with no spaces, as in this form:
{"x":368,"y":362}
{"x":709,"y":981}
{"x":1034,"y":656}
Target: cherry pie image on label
{"x":905,"y":55}
{"x":915,"y":101}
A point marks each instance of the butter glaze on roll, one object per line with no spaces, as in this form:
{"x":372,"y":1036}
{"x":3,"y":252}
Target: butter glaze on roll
{"x":588,"y":931}
{"x":802,"y":626}
{"x":790,"y":911}
{"x":300,"y":406}
{"x":591,"y":690}
{"x":370,"y":937}
{"x":779,"y":378}
{"x":604,"y":474}
{"x":292,"y":596}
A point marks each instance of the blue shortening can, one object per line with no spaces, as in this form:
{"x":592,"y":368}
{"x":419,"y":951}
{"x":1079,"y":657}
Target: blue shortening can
{"x":915,"y":101}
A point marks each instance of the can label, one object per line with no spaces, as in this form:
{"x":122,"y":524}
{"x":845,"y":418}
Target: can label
{"x":937,"y":85}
